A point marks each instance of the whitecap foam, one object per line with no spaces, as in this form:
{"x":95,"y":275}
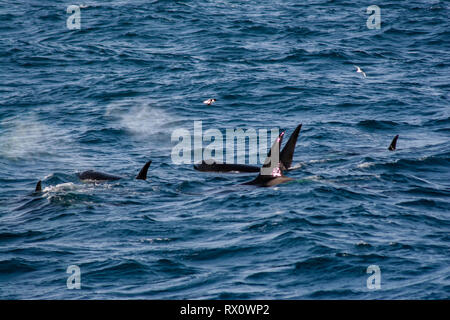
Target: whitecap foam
{"x":296,"y":166}
{"x":153,"y":240}
{"x":318,"y":161}
{"x":67,"y":186}
{"x":363,"y":244}
{"x":313,"y":178}
{"x":365,"y":165}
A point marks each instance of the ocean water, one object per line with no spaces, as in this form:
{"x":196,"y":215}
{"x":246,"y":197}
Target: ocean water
{"x":108,"y":96}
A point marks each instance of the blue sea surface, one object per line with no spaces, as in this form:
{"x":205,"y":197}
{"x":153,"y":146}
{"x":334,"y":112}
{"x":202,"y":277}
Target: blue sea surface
{"x":108,"y":97}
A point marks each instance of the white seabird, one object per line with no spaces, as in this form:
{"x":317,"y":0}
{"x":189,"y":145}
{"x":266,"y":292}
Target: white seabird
{"x":358,"y":69}
{"x":209,"y":101}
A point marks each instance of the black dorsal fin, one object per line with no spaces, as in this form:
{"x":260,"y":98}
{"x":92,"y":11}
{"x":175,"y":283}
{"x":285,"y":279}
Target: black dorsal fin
{"x":288,"y":151}
{"x":268,"y":170}
{"x":143,"y":173}
{"x":38,"y":186}
{"x":268,"y":167}
{"x":393,"y":144}
{"x":271,"y":169}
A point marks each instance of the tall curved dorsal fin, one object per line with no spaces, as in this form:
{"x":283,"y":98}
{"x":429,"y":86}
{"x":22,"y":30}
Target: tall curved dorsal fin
{"x":287,"y":153}
{"x":393,"y":144}
{"x":143,"y":173}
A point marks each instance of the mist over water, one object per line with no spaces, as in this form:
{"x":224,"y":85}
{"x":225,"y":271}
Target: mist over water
{"x":109,"y":96}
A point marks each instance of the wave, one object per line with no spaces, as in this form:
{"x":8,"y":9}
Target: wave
{"x":378,"y":124}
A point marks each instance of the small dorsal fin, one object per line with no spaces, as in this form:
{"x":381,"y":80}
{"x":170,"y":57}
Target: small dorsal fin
{"x":393,"y":144}
{"x":143,"y":173}
{"x":38,"y":186}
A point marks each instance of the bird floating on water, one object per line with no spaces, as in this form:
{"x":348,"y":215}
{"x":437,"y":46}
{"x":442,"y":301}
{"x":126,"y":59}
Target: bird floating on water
{"x":358,"y":69}
{"x":209,"y":101}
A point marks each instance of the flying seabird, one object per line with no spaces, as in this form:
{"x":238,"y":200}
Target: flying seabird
{"x":358,"y":69}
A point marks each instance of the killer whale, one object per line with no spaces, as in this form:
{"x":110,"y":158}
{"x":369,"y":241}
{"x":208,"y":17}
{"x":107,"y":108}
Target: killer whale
{"x":393,"y":144}
{"x":274,"y":176}
{"x":213,"y":166}
{"x":92,"y":175}
{"x":286,"y":156}
{"x":101,"y":176}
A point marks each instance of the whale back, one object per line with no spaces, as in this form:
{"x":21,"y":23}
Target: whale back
{"x":97,"y":176}
{"x":212,"y":166}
